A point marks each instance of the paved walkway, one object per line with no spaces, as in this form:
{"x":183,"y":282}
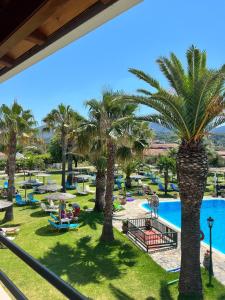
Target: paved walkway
{"x":168,"y":259}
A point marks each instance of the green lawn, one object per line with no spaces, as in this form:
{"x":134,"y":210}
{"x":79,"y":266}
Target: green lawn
{"x":100,"y":271}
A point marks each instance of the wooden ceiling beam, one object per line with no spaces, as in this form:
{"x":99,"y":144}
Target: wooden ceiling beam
{"x":36,"y":37}
{"x":7,"y":61}
{"x":40,"y":15}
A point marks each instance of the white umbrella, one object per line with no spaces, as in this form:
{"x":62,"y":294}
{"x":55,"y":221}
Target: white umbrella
{"x":83,"y":177}
{"x":43,"y":175}
{"x":50,"y":187}
{"x":60,"y":196}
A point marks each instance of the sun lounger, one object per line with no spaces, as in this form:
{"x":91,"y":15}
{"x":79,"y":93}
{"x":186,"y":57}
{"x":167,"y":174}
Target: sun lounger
{"x":63,"y":226}
{"x":174,"y":187}
{"x":20,"y":201}
{"x":32,"y":200}
{"x":70,"y":186}
{"x":88,"y":190}
{"x":81,"y":192}
{"x":161,"y":187}
{"x":47,"y":208}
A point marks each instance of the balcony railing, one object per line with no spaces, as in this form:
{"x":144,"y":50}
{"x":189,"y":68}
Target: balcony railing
{"x":66,"y":289}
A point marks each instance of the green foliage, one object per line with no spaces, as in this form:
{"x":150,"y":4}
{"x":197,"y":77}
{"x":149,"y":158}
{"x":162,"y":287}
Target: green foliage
{"x":16,"y":120}
{"x":166,"y":163}
{"x":2,"y":164}
{"x":196,"y":103}
{"x":55,"y":150}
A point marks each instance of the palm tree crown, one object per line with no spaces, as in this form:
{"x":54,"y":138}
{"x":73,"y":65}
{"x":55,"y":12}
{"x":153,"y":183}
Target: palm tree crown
{"x":15,"y":120}
{"x":196,"y":103}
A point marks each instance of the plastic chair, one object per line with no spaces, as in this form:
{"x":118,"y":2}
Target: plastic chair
{"x":19,"y":200}
{"x":31,"y":199}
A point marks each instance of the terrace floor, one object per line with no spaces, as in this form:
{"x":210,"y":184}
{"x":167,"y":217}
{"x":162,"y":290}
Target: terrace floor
{"x":168,"y":258}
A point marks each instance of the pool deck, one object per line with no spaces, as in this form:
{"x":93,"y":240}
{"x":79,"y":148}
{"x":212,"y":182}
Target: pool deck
{"x":168,"y":259}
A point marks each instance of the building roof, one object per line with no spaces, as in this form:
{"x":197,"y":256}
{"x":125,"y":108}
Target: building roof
{"x":32,"y":30}
{"x":159,"y":149}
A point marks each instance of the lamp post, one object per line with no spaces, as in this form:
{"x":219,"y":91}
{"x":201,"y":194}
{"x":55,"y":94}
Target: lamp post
{"x":210,"y":221}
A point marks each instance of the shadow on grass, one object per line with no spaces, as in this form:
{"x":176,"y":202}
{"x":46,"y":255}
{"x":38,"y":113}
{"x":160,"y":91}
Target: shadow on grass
{"x":49,"y":231}
{"x":87,"y":262}
{"x":164,"y":291}
{"x":38,"y":214}
{"x":119,"y":294}
{"x":91,"y":219}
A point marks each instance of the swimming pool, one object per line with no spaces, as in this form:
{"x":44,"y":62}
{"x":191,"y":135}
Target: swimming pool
{"x":171,"y":212}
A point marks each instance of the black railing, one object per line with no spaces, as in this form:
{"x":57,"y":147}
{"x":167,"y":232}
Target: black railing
{"x":163,"y":236}
{"x":66,"y":289}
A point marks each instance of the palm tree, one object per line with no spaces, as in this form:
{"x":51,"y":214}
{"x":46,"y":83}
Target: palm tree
{"x":16,"y":124}
{"x":59,"y":121}
{"x":166,"y":164}
{"x":75,"y":122}
{"x":112,"y":124}
{"x":193,"y":107}
{"x":91,"y":142}
{"x":131,"y":154}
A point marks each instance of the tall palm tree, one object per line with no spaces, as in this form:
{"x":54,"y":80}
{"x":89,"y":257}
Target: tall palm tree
{"x":16,"y":126}
{"x":75,"y":122}
{"x":193,"y":107}
{"x":91,"y":143}
{"x":112,"y":125}
{"x":59,"y":121}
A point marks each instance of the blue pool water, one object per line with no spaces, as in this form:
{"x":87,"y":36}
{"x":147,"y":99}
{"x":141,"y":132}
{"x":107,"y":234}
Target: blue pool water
{"x":171,"y":211}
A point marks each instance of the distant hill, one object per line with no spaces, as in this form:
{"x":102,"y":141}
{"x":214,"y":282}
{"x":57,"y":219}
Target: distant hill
{"x":219,"y":130}
{"x":158,"y":128}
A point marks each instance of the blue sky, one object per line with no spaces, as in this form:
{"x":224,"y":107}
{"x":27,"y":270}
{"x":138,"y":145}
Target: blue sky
{"x":101,"y":59}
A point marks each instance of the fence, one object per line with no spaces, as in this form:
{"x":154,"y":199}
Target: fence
{"x":161,"y":235}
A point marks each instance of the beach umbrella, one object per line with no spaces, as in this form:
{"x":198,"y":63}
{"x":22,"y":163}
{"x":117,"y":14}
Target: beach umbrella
{"x":50,"y":187}
{"x":43,"y":175}
{"x":60,"y":196}
{"x":84,"y":177}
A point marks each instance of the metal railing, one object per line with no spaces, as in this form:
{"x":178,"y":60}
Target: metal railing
{"x":66,"y":289}
{"x":164,"y":236}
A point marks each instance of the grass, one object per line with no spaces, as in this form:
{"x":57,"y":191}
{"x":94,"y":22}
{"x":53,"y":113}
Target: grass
{"x":118,"y":270}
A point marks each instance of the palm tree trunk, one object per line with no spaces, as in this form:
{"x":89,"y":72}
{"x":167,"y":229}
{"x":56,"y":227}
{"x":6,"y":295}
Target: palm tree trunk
{"x":128,"y":182}
{"x":192,"y":169}
{"x":166,"y":181}
{"x":107,"y":231}
{"x":100,"y":190}
{"x":11,"y":174}
{"x":70,"y":165}
{"x":64,"y":147}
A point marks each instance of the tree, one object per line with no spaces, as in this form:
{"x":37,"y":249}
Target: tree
{"x":91,"y":143}
{"x":72,"y":144}
{"x":131,"y":154}
{"x":16,"y":127}
{"x":59,"y":120}
{"x":166,"y":164}
{"x":193,"y":107}
{"x":113,"y":124}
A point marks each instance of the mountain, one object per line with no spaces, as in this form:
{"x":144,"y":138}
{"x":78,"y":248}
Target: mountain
{"x":158,"y":128}
{"x":219,"y":130}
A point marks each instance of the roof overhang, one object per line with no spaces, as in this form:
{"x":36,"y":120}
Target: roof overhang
{"x":51,"y":25}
